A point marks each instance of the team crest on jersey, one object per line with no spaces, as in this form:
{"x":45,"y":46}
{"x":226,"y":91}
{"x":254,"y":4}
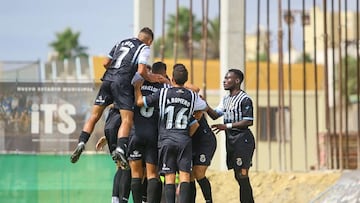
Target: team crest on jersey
{"x":202,"y":158}
{"x":238,"y":161}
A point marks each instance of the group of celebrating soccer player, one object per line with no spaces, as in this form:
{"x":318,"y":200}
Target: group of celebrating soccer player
{"x":156,"y":126}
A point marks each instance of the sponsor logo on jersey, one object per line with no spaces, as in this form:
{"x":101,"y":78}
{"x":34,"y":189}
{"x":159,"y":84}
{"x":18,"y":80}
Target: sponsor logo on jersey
{"x":100,"y":100}
{"x":165,"y":168}
{"x":135,"y":154}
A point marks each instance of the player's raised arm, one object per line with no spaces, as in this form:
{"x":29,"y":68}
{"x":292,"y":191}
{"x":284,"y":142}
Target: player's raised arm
{"x":192,"y":87}
{"x":151,"y":77}
{"x":139,"y":101}
{"x":193,"y":126}
{"x":106,"y":62}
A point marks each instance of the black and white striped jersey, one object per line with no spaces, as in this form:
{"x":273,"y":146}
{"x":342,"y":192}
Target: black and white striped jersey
{"x":236,"y":108}
{"x":146,"y":118}
{"x":125,"y":56}
{"x":176,"y":107}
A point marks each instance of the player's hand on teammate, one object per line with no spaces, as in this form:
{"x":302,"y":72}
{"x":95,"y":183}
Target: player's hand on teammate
{"x":218,"y":127}
{"x":138,"y":83}
{"x":77,"y":152}
{"x":207,"y":105}
{"x":137,"y":78}
{"x":162,"y":79}
{"x":100,"y":143}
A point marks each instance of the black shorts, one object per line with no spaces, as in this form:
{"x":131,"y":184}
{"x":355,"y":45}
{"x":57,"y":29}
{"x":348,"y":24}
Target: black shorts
{"x":240,"y":148}
{"x":174,"y":157}
{"x":124,"y":94}
{"x":143,"y":148}
{"x":203,"y":146}
{"x":112,"y":125}
{"x":105,"y":96}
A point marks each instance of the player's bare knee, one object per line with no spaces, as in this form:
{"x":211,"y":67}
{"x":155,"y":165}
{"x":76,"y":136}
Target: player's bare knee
{"x":198,"y":174}
{"x":241,"y":174}
{"x":136,"y":165}
{"x":136,"y":172}
{"x":152,"y":173}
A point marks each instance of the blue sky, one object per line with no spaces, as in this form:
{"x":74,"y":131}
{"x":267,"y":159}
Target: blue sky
{"x":28,"y":26}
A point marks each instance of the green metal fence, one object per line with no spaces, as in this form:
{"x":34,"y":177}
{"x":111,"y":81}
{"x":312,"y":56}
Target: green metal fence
{"x":52,"y":178}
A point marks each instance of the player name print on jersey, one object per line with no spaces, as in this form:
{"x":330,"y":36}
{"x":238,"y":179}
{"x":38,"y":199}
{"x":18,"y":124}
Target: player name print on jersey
{"x":178,"y":100}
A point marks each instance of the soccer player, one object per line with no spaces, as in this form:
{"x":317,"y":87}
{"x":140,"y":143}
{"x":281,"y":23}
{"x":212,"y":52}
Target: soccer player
{"x":176,"y":106}
{"x":122,"y":178}
{"x":143,"y":144}
{"x":124,"y":60}
{"x":237,"y":111}
{"x":204,"y":146}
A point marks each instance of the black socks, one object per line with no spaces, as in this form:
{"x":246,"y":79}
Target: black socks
{"x":184,"y":192}
{"x":122,"y":142}
{"x":116,"y":183}
{"x":136,"y":189}
{"x":170,"y":193}
{"x":84,"y":137}
{"x":144,"y":186}
{"x":125,"y":184}
{"x":206,"y":189}
{"x":192,"y":192}
{"x":154,"y":190}
{"x":246,"y":195}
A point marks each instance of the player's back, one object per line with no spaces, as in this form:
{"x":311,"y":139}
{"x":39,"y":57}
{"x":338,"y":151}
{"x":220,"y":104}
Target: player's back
{"x":146,"y":118}
{"x":176,"y":106}
{"x":124,"y":57}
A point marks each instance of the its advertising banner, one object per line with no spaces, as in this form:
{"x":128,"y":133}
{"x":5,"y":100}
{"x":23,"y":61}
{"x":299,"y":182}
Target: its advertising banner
{"x":44,"y":117}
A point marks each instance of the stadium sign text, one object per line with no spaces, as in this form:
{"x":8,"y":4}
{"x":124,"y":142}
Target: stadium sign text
{"x":65,"y":123}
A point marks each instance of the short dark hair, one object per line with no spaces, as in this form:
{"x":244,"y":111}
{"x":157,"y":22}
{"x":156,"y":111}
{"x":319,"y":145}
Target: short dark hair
{"x":238,"y":73}
{"x":158,"y":67}
{"x":148,"y":67}
{"x":180,"y":74}
{"x":148,"y":31}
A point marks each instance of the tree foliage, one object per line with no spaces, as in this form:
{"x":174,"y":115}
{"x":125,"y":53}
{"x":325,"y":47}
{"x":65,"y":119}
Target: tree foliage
{"x":214,"y":38}
{"x":304,"y":58}
{"x":183,"y":27}
{"x":183,"y":36}
{"x":351,"y":82}
{"x":67,"y":45}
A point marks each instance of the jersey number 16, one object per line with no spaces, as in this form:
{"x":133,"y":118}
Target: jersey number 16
{"x":180,"y":121}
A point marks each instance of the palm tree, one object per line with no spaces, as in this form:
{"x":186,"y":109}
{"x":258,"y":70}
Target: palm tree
{"x":67,"y":45}
{"x":183,"y":29}
{"x":168,"y":53}
{"x":214,"y":38}
{"x":351,"y":82}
